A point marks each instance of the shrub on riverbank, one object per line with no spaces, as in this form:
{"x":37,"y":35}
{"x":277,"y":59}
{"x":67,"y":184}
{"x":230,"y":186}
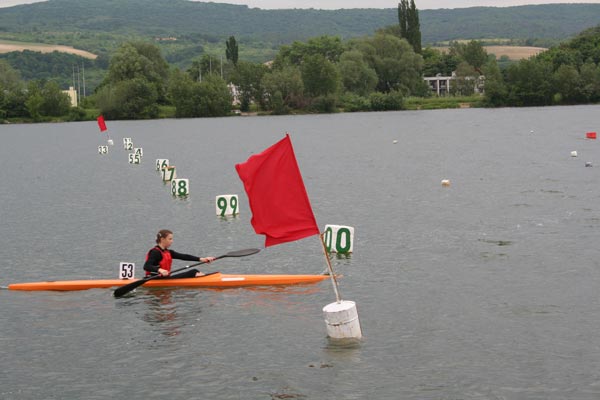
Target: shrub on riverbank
{"x":434,"y":103}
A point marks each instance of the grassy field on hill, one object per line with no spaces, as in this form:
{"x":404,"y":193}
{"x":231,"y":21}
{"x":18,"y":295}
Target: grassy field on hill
{"x":7,"y":46}
{"x":514,"y":53}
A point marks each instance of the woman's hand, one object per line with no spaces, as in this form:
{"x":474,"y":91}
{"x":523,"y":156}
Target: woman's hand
{"x":207,"y":259}
{"x":163,"y":272}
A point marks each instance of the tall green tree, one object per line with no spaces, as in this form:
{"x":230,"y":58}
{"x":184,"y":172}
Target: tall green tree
{"x":472,"y":53}
{"x":10,"y":89}
{"x":568,"y":85}
{"x":495,"y":88}
{"x":410,"y":27}
{"x":397,"y":66}
{"x":413,"y":28}
{"x":320,"y":76}
{"x":438,"y":62}
{"x":9,"y":77}
{"x":465,"y":80}
{"x":209,"y":98}
{"x":46,"y":100}
{"x":215,"y":97}
{"x":56,"y":103}
{"x":128,"y":99}
{"x":590,"y":81}
{"x":357,"y":76}
{"x":13,"y":103}
{"x":142,"y":61}
{"x":330,"y":47}
{"x":231,"y":51}
{"x":181,"y":94}
{"x":528,"y":83}
{"x":34,"y":101}
{"x":286,"y":81}
{"x":247,"y":77}
{"x":403,"y":18}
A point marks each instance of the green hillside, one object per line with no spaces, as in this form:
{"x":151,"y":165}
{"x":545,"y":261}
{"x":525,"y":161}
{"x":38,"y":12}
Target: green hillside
{"x":215,"y":20}
{"x":549,"y":21}
{"x":185,"y":31}
{"x":179,"y":17}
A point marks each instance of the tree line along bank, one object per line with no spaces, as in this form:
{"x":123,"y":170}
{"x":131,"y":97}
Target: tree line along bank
{"x":323,"y":74}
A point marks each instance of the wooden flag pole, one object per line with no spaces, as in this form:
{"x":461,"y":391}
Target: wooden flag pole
{"x":330,"y":268}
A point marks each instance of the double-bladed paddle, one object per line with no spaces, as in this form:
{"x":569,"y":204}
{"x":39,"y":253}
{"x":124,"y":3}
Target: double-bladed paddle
{"x":129,"y":287}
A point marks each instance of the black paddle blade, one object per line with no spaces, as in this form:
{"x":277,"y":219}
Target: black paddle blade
{"x":129,"y":287}
{"x":241,"y":253}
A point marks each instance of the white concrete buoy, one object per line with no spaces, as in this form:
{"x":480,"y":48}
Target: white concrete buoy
{"x":341,"y":319}
{"x":395,"y":141}
{"x":574,"y":153}
{"x":445,"y":182}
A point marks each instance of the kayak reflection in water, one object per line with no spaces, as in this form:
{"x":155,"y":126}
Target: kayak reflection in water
{"x":160,"y":257}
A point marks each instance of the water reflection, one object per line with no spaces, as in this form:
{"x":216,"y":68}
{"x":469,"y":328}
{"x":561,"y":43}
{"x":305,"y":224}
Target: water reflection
{"x":335,"y":345}
{"x":161,"y":312}
{"x":343,"y":256}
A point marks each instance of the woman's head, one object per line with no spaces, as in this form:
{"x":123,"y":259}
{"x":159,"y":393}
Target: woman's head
{"x":164,"y":238}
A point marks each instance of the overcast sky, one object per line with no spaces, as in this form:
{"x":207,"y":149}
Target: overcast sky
{"x":337,"y":4}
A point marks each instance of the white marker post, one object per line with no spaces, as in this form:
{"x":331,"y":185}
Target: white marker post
{"x":169,"y":173}
{"x":339,"y":239}
{"x":134,"y":158}
{"x":180,"y":187}
{"x":227,"y":204}
{"x":161,"y":163}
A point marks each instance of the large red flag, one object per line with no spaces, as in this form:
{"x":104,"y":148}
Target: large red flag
{"x":101,"y":123}
{"x":278,"y":200}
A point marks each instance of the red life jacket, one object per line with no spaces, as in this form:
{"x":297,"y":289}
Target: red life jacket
{"x":166,"y":261}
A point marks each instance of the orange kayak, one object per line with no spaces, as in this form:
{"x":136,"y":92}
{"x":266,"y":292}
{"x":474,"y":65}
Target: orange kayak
{"x":216,"y":280}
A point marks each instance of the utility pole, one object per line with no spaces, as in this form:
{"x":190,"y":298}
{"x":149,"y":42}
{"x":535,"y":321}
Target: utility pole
{"x":78,"y":85}
{"x":83,"y":73}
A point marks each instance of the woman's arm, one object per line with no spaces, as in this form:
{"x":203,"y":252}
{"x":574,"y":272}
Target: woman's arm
{"x":181,"y":256}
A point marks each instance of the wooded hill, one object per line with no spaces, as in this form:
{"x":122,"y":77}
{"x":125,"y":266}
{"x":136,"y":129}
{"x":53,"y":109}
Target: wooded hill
{"x":164,"y":18}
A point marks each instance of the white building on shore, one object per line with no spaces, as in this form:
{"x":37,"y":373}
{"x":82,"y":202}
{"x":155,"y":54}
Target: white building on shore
{"x":73,"y":95}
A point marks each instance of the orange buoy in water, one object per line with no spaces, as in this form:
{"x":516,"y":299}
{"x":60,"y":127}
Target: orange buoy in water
{"x":590,"y":135}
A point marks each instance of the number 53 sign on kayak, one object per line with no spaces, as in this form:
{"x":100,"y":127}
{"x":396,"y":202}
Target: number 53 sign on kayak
{"x":126,"y":270}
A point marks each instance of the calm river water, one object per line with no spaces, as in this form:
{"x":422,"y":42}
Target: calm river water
{"x":486,"y":289}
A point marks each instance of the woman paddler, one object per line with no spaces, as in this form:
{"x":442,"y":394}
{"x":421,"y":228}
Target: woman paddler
{"x":159,"y":258}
